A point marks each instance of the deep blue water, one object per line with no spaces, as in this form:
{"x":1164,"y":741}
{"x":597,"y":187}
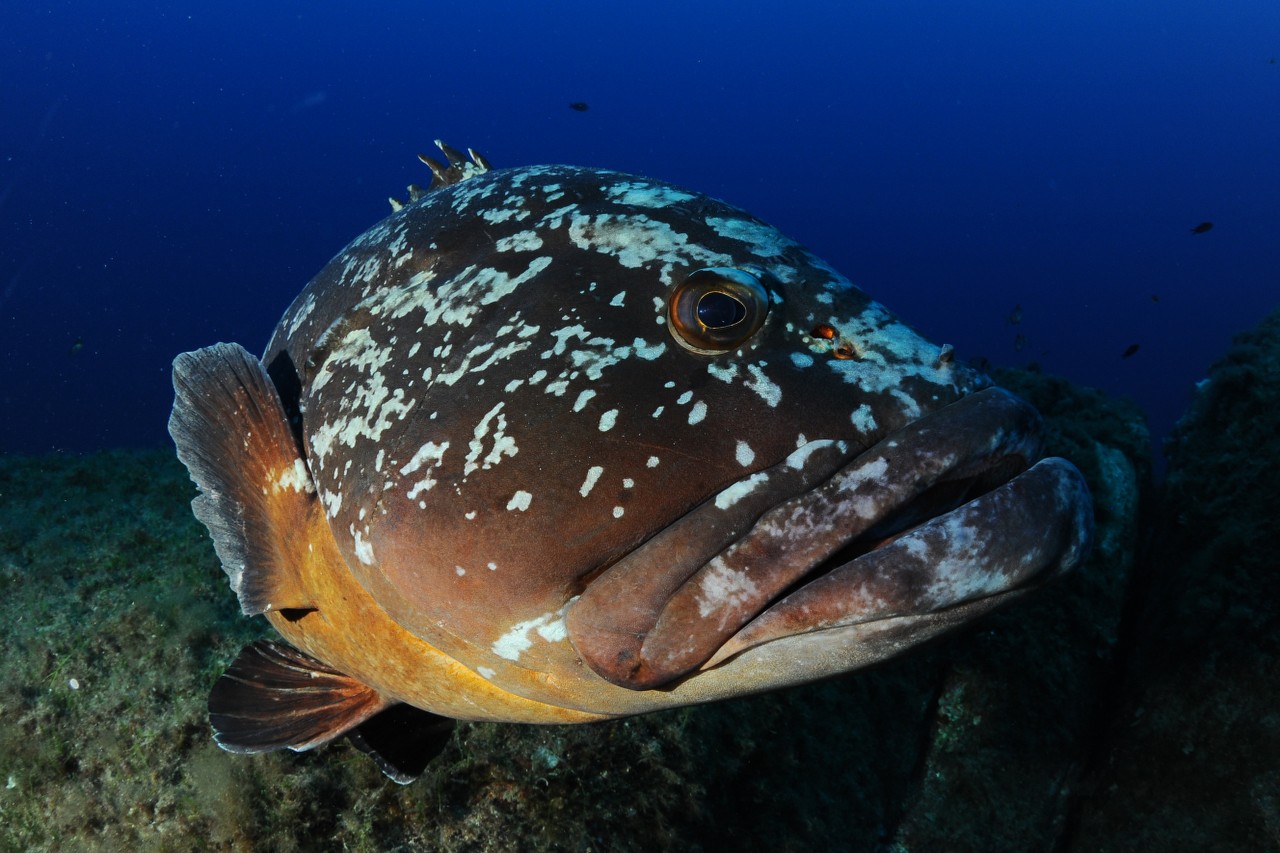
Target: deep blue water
{"x":171,"y":174}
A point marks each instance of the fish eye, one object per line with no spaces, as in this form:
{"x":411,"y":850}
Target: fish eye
{"x":716,"y":309}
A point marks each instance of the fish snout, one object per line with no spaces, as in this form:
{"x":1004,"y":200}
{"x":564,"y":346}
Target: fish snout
{"x":946,"y":511}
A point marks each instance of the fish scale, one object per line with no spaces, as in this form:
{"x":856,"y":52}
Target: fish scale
{"x":526,"y":386}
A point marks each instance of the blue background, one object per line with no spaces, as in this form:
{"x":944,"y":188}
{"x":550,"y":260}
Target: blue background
{"x":172,"y":174}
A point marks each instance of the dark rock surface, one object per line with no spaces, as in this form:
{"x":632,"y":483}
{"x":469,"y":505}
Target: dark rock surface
{"x":1191,"y":756}
{"x":1018,"y":702}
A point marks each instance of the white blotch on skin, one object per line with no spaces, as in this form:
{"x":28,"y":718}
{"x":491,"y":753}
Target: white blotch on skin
{"x":764,"y":386}
{"x":744,"y":454}
{"x":581,"y":402}
{"x":503,"y":444}
{"x":367,"y":408}
{"x":635,"y":241}
{"x":764,"y":241}
{"x":549,"y":626}
{"x":800,"y":456}
{"x":608,"y":419}
{"x":593,"y":474}
{"x":643,"y":194}
{"x":652,"y":463}
{"x":736,"y":492}
{"x":647,"y":351}
{"x":296,"y":477}
{"x":618,"y":511}
{"x":304,"y":311}
{"x":722,"y":588}
{"x":363,"y":548}
{"x":862,"y":505}
{"x":723,"y":372}
{"x":524,"y":241}
{"x":429,"y":452}
{"x":576,"y":332}
{"x":863,"y":419}
{"x":520,"y":500}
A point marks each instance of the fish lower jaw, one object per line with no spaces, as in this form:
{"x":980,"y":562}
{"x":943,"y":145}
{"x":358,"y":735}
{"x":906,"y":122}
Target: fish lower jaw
{"x":992,"y":549}
{"x":940,"y":515}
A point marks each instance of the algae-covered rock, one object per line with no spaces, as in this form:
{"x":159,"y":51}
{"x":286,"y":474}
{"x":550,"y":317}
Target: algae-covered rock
{"x":117,"y":619}
{"x":1192,"y":756}
{"x":1018,"y":701}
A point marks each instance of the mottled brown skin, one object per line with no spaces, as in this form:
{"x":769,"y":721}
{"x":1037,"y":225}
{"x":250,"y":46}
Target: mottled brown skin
{"x":491,"y":476}
{"x":370,"y":327}
{"x":350,"y":632}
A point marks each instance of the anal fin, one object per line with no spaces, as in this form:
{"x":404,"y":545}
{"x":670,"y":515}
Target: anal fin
{"x":273,"y":696}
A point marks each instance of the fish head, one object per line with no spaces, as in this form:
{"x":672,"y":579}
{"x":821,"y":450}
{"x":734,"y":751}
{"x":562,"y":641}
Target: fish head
{"x":615,"y":445}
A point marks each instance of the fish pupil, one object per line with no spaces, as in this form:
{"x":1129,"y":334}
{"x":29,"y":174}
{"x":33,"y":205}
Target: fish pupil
{"x":719,"y":310}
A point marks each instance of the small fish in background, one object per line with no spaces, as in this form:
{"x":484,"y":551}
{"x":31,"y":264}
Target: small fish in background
{"x":579,"y":106}
{"x":1015,"y":316}
{"x":1020,"y":343}
{"x":77,"y":346}
{"x":1129,"y":350}
{"x":1202,"y":228}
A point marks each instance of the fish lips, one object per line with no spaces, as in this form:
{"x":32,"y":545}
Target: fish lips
{"x":937,"y":522}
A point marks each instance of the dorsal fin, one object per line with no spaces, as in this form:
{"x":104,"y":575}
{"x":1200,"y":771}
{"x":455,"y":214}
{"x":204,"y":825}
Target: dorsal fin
{"x":256,"y":492}
{"x":274,"y":696}
{"x":459,"y":169}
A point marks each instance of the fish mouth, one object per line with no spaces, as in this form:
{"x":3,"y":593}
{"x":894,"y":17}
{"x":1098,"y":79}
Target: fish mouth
{"x":946,"y":514}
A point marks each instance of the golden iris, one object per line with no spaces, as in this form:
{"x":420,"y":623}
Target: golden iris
{"x":717,"y":309}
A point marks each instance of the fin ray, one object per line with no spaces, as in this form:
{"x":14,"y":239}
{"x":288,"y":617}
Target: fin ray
{"x":233,"y":435}
{"x":274,"y":696}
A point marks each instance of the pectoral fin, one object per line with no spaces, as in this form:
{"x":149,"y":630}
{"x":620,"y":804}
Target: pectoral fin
{"x":274,"y":696}
{"x":256,"y":496}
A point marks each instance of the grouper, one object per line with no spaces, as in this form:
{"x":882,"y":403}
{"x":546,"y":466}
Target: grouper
{"x":558,"y":444}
